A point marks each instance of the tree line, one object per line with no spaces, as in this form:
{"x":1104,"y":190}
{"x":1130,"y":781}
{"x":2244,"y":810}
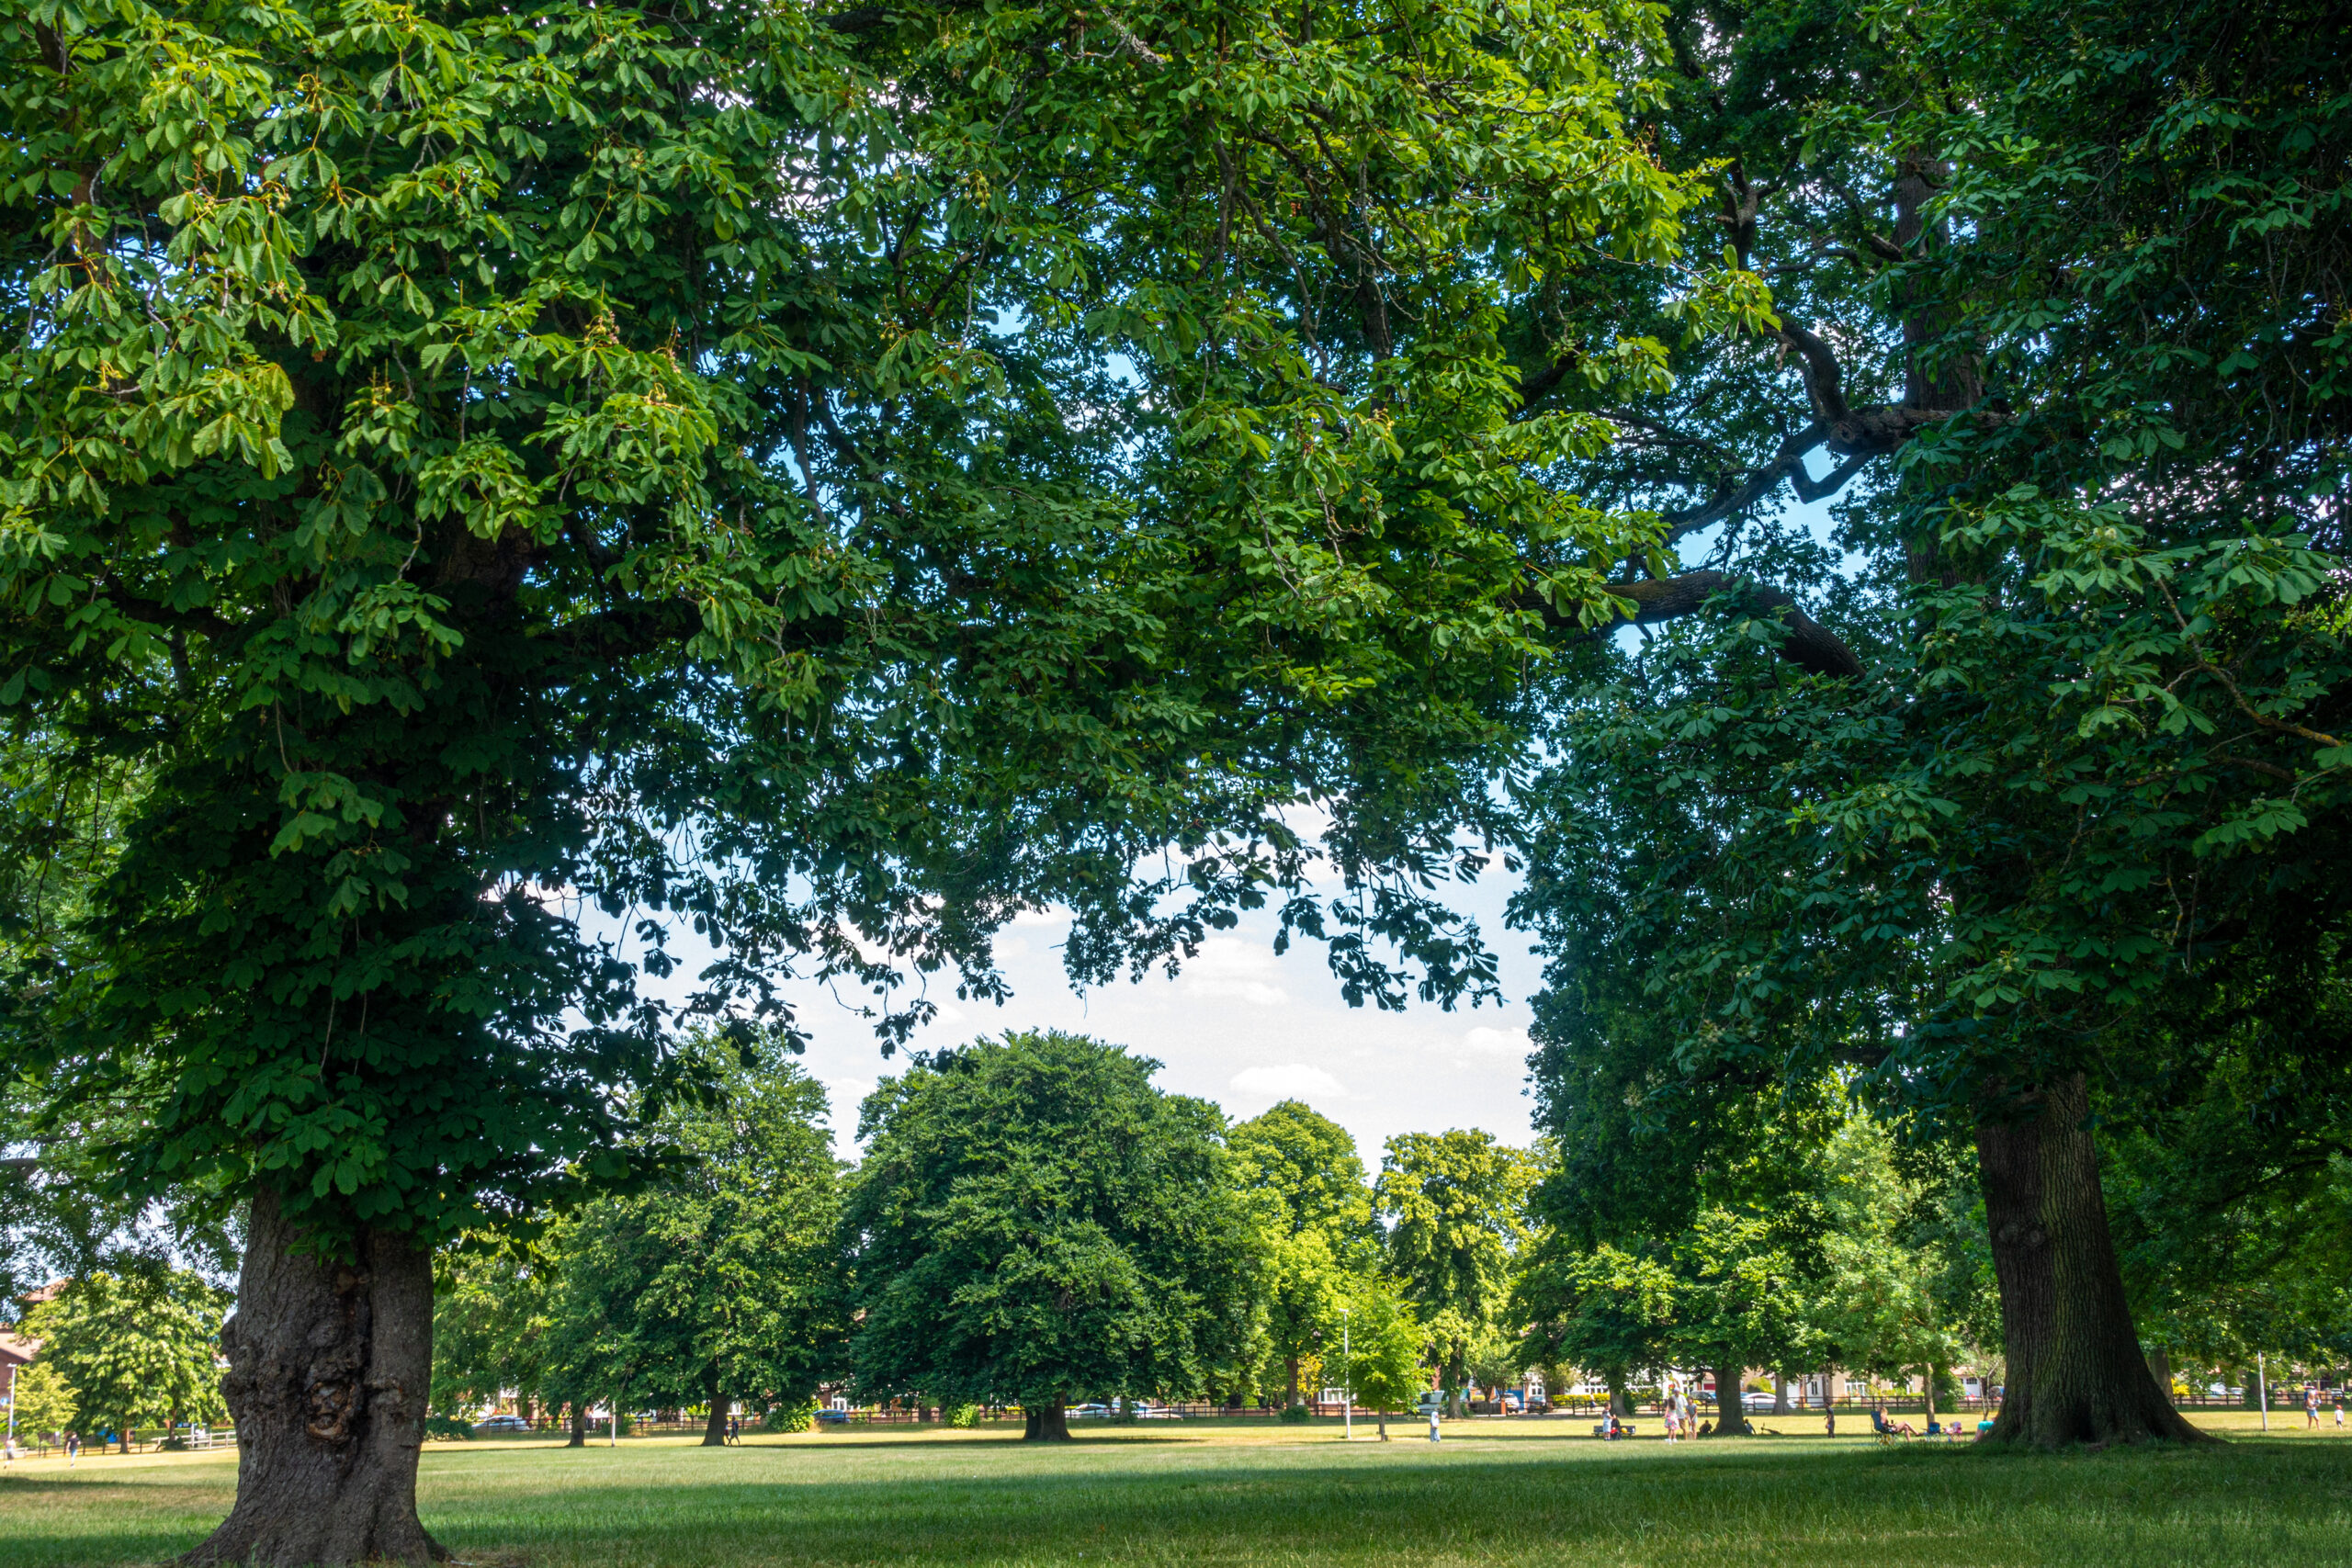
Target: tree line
{"x":483,"y":489}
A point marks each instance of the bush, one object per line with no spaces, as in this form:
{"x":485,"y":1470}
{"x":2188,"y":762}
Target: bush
{"x":798,"y":1416}
{"x":1297,"y":1412}
{"x":963,"y":1415}
{"x":444,"y":1426}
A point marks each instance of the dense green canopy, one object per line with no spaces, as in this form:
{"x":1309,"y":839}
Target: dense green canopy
{"x":1036,"y":1225}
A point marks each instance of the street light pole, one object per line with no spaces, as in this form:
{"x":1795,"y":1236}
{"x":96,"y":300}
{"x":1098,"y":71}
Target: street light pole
{"x":2261,"y":1389}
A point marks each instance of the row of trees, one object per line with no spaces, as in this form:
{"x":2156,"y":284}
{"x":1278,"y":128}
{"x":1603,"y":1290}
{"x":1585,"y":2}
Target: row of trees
{"x":1034,"y":1224}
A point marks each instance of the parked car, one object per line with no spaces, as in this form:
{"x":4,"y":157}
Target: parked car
{"x":1155,"y":1412}
{"x":502,"y":1423}
{"x":1756,"y":1399}
{"x":828,"y":1416}
{"x":1089,"y":1411}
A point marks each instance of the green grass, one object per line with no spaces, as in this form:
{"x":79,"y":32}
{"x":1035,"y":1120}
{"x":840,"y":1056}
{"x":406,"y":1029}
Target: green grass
{"x":1494,"y":1492}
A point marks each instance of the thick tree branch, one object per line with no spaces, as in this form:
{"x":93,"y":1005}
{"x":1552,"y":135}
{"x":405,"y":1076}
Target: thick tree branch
{"x":1810,"y":646}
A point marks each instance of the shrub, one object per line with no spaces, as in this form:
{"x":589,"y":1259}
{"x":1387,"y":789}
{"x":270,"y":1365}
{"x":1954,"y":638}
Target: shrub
{"x":445,"y":1426}
{"x":796,"y":1416}
{"x":1297,"y":1412}
{"x":963,"y":1415}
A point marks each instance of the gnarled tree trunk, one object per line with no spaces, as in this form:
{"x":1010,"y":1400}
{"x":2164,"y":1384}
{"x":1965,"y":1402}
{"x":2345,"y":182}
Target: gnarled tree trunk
{"x":2075,"y":1373}
{"x":1046,"y":1425}
{"x":330,"y":1364}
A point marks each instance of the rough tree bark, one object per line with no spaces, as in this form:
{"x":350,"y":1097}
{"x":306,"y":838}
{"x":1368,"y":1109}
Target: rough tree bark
{"x":1731,"y":1408}
{"x":579,"y":1425}
{"x":714,"y":1431}
{"x":1048,"y":1424}
{"x":2076,"y":1372}
{"x":330,"y":1366}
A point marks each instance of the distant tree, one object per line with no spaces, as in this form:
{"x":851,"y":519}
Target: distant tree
{"x":135,"y":1348}
{"x":1035,"y":1222}
{"x":1908,"y":1287}
{"x":44,"y":1400}
{"x":1307,"y":1165}
{"x":1456,"y":1206}
{"x":1741,"y":1300}
{"x":491,"y":1319}
{"x":1385,"y":1345}
{"x":1299,"y":1174}
{"x":718,"y":1281}
{"x":1601,"y":1309}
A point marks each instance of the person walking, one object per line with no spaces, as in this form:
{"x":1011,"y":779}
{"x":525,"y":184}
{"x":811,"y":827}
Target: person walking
{"x":2311,"y":1407}
{"x":1433,"y":1410}
{"x":2339,"y":1410}
{"x":72,"y":1447}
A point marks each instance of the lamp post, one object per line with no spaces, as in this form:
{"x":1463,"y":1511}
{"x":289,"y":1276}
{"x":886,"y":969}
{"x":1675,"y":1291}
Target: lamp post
{"x":1346,"y":1380}
{"x":2261,"y":1389}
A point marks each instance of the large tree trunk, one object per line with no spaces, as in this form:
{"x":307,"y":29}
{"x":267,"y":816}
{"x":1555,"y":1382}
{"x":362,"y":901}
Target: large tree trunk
{"x":1049,"y":1425}
{"x":1731,"y":1407}
{"x":1293,"y":1398}
{"x":1779,"y":1393}
{"x":2075,"y":1373}
{"x":1621,"y":1400}
{"x":714,"y":1431}
{"x":330,"y":1363}
{"x":579,"y":1425}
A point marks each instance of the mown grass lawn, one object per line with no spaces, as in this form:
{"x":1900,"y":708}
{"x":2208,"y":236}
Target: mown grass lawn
{"x":1494,"y":1492}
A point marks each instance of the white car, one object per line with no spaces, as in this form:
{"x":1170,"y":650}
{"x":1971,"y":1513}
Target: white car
{"x":502,"y":1423}
{"x":1088,"y":1412}
{"x":1756,"y":1399}
{"x":1155,"y":1413}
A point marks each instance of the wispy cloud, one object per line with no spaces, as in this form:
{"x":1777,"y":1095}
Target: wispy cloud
{"x":1231,"y":970}
{"x":1488,"y":1041}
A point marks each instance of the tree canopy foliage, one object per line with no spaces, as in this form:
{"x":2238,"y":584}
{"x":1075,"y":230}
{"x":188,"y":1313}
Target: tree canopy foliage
{"x":134,"y":1350}
{"x":1036,"y":1225}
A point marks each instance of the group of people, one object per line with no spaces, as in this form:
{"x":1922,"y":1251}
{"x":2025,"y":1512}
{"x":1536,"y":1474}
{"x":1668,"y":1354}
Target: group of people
{"x":72,"y":1448}
{"x":1677,"y":1413}
{"x":2312,"y":1404}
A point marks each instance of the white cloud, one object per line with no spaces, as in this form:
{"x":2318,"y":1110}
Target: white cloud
{"x":1488,"y":1041}
{"x":1296,"y":1081}
{"x":844,"y":1096}
{"x":1228,"y":968}
{"x":1058,"y":915}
